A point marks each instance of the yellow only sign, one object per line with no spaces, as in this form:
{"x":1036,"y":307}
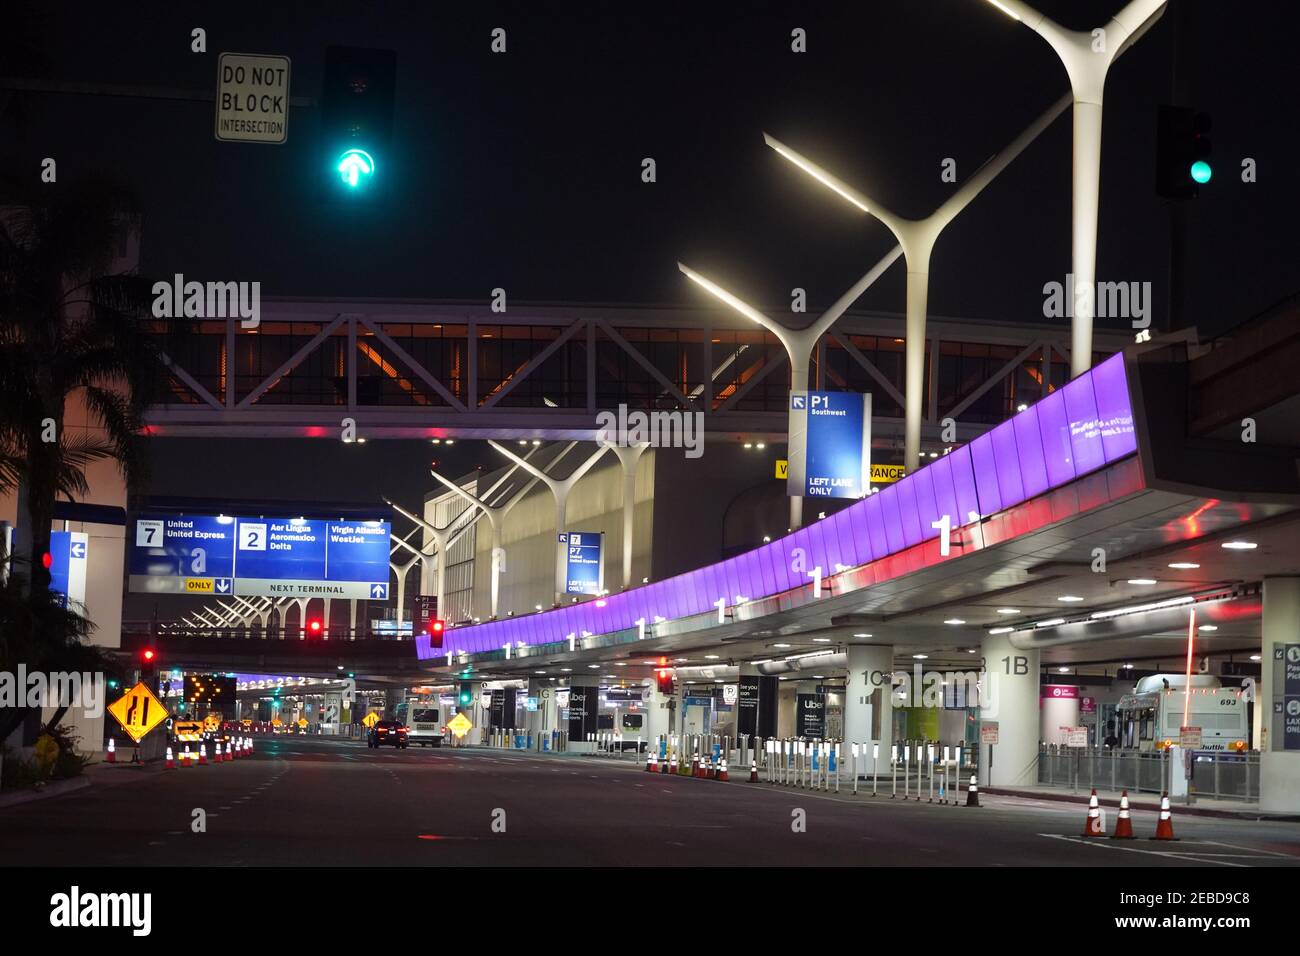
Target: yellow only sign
{"x":138,"y":711}
{"x":370,"y":719}
{"x":459,"y":725}
{"x":198,"y":585}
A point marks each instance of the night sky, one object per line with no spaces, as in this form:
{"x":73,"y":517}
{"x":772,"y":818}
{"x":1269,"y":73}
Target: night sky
{"x":522,"y":170}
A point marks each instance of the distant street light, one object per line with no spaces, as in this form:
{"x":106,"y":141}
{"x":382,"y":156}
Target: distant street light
{"x":917,"y":237}
{"x":1086,"y":56}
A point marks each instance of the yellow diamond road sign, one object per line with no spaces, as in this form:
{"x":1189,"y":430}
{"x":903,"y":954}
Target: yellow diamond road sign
{"x":138,"y":711}
{"x":459,"y":725}
{"x":370,"y":719}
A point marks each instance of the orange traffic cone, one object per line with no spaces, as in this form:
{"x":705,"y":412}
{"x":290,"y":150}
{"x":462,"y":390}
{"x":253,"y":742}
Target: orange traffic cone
{"x":753,"y":771}
{"x":672,"y":764}
{"x":1092,"y":826}
{"x":663,"y":765}
{"x":185,"y":756}
{"x":216,"y":753}
{"x":695,"y":766}
{"x":973,"y":793}
{"x":170,"y":764}
{"x":722,"y":770}
{"x":1165,"y":828}
{"x":111,"y":756}
{"x":203,"y":755}
{"x":650,"y":763}
{"x":1123,"y":823}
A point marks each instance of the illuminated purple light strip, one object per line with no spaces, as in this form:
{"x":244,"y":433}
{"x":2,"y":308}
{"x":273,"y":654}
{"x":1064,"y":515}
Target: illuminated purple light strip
{"x":1079,"y":428}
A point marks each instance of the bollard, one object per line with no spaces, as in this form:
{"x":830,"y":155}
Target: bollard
{"x":855,"y":770}
{"x":929,"y":759}
{"x":835,"y":761}
{"x":875,"y":760}
{"x":907,"y":771}
{"x":893,"y":768}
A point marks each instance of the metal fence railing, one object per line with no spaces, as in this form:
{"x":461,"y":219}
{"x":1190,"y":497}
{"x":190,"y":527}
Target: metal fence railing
{"x":1219,"y":776}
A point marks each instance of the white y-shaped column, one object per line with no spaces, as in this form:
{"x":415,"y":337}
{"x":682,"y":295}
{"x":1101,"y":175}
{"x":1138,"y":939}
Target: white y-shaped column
{"x":1086,"y":56}
{"x":496,"y":515}
{"x":917,"y":238}
{"x":443,"y":539}
{"x":798,"y":343}
{"x":560,"y":488}
{"x":628,"y":457}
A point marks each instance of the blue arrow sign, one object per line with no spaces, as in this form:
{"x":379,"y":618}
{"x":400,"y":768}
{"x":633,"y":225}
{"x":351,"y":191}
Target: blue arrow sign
{"x":379,"y":591}
{"x":78,"y":550}
{"x":222,"y":585}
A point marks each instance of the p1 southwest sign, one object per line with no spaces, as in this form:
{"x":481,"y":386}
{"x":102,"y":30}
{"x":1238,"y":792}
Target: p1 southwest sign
{"x":259,"y":556}
{"x":830,"y":444}
{"x":1078,"y":429}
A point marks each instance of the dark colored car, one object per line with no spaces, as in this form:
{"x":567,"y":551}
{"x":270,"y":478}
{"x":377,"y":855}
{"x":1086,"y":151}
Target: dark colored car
{"x":387,"y":732}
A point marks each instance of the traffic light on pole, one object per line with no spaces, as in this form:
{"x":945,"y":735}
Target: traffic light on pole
{"x":357,"y":121}
{"x":664,"y":677}
{"x":315,"y":627}
{"x":465,"y":694}
{"x":1183,"y":147}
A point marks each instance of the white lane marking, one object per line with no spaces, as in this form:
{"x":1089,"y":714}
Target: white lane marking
{"x":1252,"y":849}
{"x":1111,"y":845}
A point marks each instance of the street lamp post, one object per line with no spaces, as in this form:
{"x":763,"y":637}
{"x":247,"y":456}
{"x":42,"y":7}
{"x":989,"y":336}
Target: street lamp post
{"x":917,"y":237}
{"x":1086,"y":56}
{"x":798,"y":343}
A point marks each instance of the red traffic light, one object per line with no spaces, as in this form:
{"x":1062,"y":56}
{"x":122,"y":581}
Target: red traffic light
{"x":314,"y":626}
{"x":436,"y":626}
{"x":47,"y":560}
{"x":149,"y":655}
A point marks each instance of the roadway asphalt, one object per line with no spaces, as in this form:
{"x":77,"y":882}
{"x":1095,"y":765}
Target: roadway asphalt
{"x":320,"y":802}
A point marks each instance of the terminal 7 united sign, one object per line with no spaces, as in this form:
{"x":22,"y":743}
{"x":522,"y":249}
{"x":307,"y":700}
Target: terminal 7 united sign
{"x":259,"y":556}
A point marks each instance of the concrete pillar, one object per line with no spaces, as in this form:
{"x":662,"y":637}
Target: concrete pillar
{"x":546,"y":717}
{"x":868,"y":703}
{"x":1277,"y":698}
{"x":657,"y":713}
{"x":1009,"y":692}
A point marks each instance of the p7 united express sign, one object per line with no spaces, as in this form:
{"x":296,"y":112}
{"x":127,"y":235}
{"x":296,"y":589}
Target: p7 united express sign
{"x":260,"y":556}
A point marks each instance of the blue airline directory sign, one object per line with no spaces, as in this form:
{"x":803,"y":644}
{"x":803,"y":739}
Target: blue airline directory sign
{"x":584,"y":569}
{"x":260,"y":556}
{"x":830,"y":444}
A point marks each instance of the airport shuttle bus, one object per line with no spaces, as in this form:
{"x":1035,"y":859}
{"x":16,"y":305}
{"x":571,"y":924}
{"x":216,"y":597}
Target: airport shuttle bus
{"x":1151,"y":717}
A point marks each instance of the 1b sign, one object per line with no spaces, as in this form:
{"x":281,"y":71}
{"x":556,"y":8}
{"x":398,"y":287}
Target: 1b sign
{"x":830,"y":444}
{"x":252,"y":98}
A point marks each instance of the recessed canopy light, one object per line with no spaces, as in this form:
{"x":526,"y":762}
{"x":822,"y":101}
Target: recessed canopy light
{"x":710,"y":657}
{"x":1143,"y":581}
{"x":1070,"y":598}
{"x":1184,"y":565}
{"x":861,"y":635}
{"x":1239,"y":545}
{"x":821,"y":640}
{"x":1008,"y":610}
{"x":1052,"y":623}
{"x":1254,"y":657}
{"x":954,"y":620}
{"x":970,"y":650}
{"x":680,"y":660}
{"x":539,"y":672}
{"x":1208,"y":627}
{"x":998,"y":630}
{"x":920,"y":657}
{"x":1063,"y":670}
{"x":594,"y":667}
{"x":566,"y":669}
{"x":1128,"y":667}
{"x":780,"y":645}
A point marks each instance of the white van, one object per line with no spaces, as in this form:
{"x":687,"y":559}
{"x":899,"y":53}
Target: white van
{"x":426,"y":727}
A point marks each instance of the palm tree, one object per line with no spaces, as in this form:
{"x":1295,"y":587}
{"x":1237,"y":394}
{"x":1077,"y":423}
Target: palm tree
{"x":68,"y":327}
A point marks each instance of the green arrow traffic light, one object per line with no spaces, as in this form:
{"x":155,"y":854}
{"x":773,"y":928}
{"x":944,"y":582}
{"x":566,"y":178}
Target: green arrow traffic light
{"x":355,"y":167}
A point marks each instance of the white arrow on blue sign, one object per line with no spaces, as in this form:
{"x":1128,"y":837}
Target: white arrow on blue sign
{"x":78,"y":549}
{"x":379,"y":591}
{"x":222,"y":585}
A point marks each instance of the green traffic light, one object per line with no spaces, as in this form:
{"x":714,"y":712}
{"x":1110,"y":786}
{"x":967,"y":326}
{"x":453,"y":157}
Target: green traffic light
{"x":1201,"y":171}
{"x":354,"y":167}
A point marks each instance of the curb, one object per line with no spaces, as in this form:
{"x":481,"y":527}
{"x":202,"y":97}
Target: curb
{"x":1180,"y":809}
{"x":53,"y":789}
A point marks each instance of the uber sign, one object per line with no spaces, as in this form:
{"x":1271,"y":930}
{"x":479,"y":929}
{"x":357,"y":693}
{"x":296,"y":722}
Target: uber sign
{"x":830,"y":444}
{"x":268,"y":557}
{"x":252,"y":98}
